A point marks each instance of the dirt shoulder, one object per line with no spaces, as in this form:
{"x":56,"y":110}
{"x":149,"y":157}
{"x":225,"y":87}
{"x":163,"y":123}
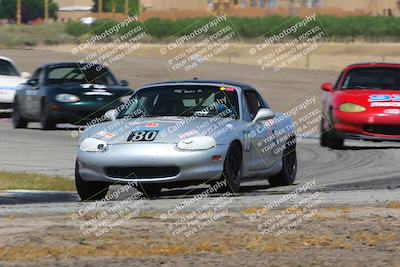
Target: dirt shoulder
{"x":336,"y":235}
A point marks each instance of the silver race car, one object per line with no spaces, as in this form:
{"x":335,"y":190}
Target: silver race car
{"x":180,"y":133}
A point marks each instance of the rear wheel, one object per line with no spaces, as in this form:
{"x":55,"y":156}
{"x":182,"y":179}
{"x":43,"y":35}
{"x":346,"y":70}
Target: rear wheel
{"x":150,"y":190}
{"x":232,"y":166}
{"x":89,"y":190}
{"x":46,"y":121}
{"x":17,"y":120}
{"x":287,"y":175}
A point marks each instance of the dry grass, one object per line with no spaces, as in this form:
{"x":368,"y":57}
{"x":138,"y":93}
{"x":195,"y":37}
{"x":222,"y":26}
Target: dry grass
{"x":32,"y":181}
{"x":119,"y":244}
{"x":393,"y":205}
{"x":143,"y":238}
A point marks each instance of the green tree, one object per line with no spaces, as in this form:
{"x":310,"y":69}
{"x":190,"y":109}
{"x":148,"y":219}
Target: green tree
{"x":30,"y":9}
{"x":133,"y":6}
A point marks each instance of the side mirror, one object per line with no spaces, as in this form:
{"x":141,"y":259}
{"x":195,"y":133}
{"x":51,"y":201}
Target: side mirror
{"x":25,"y":75}
{"x":264,"y":114}
{"x":124,"y":83}
{"x":111,"y":114}
{"x":33,"y":82}
{"x":328,"y":87}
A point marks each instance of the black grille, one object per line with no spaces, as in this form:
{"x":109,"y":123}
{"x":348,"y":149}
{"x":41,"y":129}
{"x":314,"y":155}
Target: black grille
{"x":382,"y":129}
{"x":141,"y":172}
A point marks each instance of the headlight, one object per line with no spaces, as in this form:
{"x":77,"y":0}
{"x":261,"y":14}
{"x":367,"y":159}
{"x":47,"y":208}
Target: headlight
{"x":67,"y":98}
{"x":93,"y":145}
{"x":123,"y":99}
{"x":350,"y":107}
{"x":197,"y":143}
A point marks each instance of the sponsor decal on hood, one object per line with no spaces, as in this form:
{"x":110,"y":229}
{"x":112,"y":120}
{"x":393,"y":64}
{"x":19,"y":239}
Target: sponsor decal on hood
{"x":105,"y":134}
{"x":384,"y":100}
{"x":392,"y":111}
{"x":93,"y":85}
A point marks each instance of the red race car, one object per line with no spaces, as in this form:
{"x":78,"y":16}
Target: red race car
{"x":363,"y":104}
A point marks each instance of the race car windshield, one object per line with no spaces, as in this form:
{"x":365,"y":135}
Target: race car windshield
{"x":6,"y":68}
{"x":183,"y":100}
{"x":84,"y":74}
{"x":373,"y":78}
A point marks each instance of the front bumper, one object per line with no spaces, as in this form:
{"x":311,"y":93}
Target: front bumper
{"x":81,"y":112}
{"x":192,"y":165}
{"x":7,"y":97}
{"x":367,"y":126}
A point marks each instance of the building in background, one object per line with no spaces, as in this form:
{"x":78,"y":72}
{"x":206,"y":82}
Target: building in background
{"x":158,"y":5}
{"x":176,"y":9}
{"x":73,"y":9}
{"x":323,"y":7}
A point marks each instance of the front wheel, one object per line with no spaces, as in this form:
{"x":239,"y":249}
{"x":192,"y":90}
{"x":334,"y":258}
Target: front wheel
{"x":287,"y":175}
{"x":89,"y":190}
{"x":232,"y":167}
{"x":334,"y":141}
{"x":17,"y":120}
{"x":323,"y":138}
{"x":46,"y":121}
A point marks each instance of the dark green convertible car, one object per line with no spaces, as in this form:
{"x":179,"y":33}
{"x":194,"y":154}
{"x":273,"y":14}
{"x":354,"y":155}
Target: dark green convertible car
{"x":76,"y":93}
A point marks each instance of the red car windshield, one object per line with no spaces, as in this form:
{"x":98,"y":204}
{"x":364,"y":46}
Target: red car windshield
{"x":379,"y":78}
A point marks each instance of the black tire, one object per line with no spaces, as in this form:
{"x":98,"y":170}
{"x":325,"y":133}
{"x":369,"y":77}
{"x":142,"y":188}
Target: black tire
{"x":232,"y":168}
{"x":288,"y":173}
{"x":150,"y":190}
{"x":89,"y":190}
{"x":17,"y":120}
{"x":334,"y":141}
{"x":323,"y":137}
{"x":47,"y":123}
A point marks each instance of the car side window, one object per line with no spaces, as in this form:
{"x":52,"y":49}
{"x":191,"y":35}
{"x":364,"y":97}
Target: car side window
{"x":253,"y":103}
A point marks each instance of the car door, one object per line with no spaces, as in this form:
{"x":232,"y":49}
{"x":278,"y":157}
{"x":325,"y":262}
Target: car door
{"x":32,"y":94}
{"x":261,"y":134}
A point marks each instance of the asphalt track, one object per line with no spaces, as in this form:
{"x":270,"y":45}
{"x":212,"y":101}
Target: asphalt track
{"x":360,"y":166}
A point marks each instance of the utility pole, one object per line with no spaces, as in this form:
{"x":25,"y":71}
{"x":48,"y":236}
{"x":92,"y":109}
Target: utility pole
{"x":100,"y":6}
{"x":126,"y":7}
{"x":292,"y":8}
{"x":18,"y":13}
{"x":113,"y":8}
{"x":46,"y":10}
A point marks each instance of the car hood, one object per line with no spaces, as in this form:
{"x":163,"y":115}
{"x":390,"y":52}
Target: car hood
{"x":9,"y":82}
{"x":376,"y":99}
{"x":170,"y":129}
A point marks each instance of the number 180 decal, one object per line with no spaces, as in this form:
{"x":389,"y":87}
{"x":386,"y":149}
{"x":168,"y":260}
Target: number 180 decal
{"x":142,"y":136}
